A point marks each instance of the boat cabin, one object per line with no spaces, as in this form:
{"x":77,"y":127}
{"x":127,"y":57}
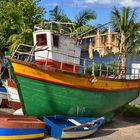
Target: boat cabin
{"x":56,"y":50}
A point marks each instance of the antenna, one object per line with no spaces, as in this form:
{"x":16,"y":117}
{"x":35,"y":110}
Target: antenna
{"x":62,"y":7}
{"x":76,"y":6}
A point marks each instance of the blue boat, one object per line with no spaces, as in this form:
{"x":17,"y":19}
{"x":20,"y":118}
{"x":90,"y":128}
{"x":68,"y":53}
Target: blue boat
{"x":62,"y":127}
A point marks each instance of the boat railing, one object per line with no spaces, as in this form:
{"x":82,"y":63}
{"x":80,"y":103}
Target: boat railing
{"x":85,"y":66}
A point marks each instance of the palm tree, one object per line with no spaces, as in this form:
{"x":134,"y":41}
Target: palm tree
{"x":123,"y":22}
{"x":84,"y":17}
{"x":58,"y":15}
{"x":81,"y":20}
{"x":23,"y":34}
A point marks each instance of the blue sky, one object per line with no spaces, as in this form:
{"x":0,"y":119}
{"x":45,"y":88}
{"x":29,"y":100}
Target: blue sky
{"x":101,"y":7}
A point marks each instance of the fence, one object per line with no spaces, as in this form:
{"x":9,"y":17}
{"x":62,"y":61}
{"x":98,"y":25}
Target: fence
{"x":86,"y":66}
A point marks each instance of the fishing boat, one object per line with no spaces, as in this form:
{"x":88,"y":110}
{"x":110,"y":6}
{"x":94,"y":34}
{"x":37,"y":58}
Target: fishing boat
{"x":51,"y":79}
{"x":20,"y":127}
{"x":62,"y":127}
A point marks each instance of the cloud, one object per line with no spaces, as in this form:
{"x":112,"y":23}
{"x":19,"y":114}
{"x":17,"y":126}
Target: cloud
{"x":51,"y":4}
{"x":130,"y":3}
{"x":76,"y":3}
{"x":98,"y":1}
{"x":87,"y":3}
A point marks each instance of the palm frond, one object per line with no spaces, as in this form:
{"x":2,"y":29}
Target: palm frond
{"x":55,"y":14}
{"x":132,"y":16}
{"x":134,"y":49}
{"x":84,"y":16}
{"x":15,"y":44}
{"x":116,"y":19}
{"x":17,"y":21}
{"x":13,"y":38}
{"x":83,"y":28}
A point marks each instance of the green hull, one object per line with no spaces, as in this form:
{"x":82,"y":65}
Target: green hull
{"x":42,"y":98}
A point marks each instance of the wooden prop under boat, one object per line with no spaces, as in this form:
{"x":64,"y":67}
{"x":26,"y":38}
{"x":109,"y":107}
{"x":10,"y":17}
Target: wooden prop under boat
{"x":20,"y":127}
{"x":58,"y":87}
{"x":63,"y":127}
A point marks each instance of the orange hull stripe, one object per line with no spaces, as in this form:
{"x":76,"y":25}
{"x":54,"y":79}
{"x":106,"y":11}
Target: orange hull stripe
{"x":74,"y":80}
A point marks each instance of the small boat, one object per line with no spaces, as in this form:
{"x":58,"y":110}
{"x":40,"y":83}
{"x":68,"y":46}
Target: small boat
{"x":13,"y":97}
{"x":20,"y":127}
{"x":63,"y":127}
{"x":3,"y":96}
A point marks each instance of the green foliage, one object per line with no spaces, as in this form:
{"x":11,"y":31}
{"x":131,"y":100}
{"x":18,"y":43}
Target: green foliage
{"x":84,"y":17}
{"x":17,"y":19}
{"x":134,"y":41}
{"x":130,"y":110}
{"x":106,"y":68}
{"x":83,"y":28}
{"x":81,"y":21}
{"x":123,"y":19}
{"x":88,"y":70}
{"x":57,"y":15}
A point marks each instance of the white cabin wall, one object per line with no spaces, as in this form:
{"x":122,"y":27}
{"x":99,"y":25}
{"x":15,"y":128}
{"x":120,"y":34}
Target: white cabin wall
{"x":67,"y":46}
{"x":43,"y":54}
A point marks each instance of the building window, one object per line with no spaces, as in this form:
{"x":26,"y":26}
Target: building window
{"x":41,"y":40}
{"x":55,"y":41}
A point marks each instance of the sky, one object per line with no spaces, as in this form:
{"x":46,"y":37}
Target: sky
{"x":102,"y":8}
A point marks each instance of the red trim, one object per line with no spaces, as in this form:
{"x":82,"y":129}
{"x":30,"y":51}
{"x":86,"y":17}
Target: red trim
{"x":11,"y":83}
{"x":15,"y":105}
{"x":55,"y":64}
{"x":73,"y":86}
{"x":4,"y":103}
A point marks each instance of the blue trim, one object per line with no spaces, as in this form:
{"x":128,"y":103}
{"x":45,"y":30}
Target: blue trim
{"x":2,"y":89}
{"x":20,"y":131}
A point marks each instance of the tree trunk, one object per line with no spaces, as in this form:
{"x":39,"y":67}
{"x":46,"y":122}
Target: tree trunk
{"x":123,"y":55}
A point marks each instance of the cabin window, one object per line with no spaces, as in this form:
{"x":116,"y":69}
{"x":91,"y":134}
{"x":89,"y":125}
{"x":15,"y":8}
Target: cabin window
{"x":41,"y":40}
{"x":55,"y":41}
